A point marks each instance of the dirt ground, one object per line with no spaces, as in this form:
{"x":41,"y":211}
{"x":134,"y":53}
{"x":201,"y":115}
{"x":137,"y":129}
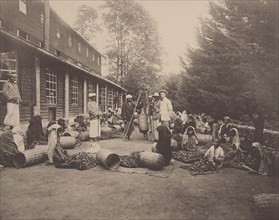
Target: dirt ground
{"x":44,"y":192}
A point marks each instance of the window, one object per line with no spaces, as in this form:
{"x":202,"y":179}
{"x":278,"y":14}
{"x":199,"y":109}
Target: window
{"x":110,"y":97}
{"x":58,"y":33}
{"x":41,"y":44}
{"x":91,"y":87}
{"x":87,"y":52}
{"x":58,"y":53}
{"x":8,"y":65}
{"x":79,"y":47}
{"x":23,"y":6}
{"x":93,"y":57}
{"x":74,"y":92}
{"x":102,"y":97}
{"x":70,"y":40}
{"x":99,"y":60}
{"x":23,"y":35}
{"x":51,"y":88}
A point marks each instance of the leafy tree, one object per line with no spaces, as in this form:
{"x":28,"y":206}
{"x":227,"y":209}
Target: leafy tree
{"x":86,"y":24}
{"x":234,"y":71}
{"x":134,"y":48}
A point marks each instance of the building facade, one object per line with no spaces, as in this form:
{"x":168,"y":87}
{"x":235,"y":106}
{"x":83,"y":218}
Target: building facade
{"x":56,"y":67}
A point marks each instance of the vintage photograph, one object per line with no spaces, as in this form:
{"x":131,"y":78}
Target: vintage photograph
{"x":139,"y":109}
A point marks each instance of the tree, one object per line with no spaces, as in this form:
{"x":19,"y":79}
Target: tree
{"x":134,"y":48}
{"x":86,"y":24}
{"x":234,"y":71}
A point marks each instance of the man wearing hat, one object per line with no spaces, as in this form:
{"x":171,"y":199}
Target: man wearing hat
{"x":13,"y":99}
{"x":156,"y":115}
{"x":94,"y":116}
{"x":165,"y":108}
{"x":127,"y":113}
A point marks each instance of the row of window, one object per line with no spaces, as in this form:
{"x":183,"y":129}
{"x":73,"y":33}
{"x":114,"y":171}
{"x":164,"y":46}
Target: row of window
{"x":23,"y":9}
{"x":51,"y":92}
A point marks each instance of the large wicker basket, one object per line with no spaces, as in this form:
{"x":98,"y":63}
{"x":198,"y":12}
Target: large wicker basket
{"x":31,"y":157}
{"x":265,"y":206}
{"x":67,"y":142}
{"x":74,"y":134}
{"x":108,"y":159}
{"x":84,"y":136}
{"x":153,"y":161}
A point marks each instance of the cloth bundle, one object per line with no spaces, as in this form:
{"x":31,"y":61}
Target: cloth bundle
{"x":184,"y":156}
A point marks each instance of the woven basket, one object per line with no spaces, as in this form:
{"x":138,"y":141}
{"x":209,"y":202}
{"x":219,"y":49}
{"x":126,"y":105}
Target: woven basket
{"x":204,"y":138}
{"x":174,"y":144}
{"x":265,"y":206}
{"x":84,"y":136}
{"x":31,"y":157}
{"x":74,"y":134}
{"x":108,"y":159}
{"x":105,"y":130}
{"x":153,"y":161}
{"x":67,"y":142}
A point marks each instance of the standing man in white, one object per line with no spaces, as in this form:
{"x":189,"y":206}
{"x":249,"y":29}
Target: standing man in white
{"x":165,"y":108}
{"x":13,"y":99}
{"x":94,"y":116}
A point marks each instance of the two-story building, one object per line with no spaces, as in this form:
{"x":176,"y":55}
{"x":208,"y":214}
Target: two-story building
{"x":56,"y":67}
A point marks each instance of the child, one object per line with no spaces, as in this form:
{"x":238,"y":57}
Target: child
{"x":215,"y":153}
{"x":190,"y":140}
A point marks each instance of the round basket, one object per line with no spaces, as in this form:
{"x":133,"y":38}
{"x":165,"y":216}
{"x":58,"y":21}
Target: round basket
{"x":265,"y":206}
{"x":204,"y":138}
{"x":67,"y":142}
{"x":116,"y":127}
{"x":153,"y":161}
{"x":31,"y":157}
{"x":84,"y":136}
{"x":74,"y":134}
{"x":108,"y":159}
{"x":174,"y":144}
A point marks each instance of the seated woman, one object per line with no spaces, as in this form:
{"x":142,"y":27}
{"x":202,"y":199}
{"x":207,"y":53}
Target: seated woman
{"x":215,"y":153}
{"x":234,"y":139}
{"x":190,"y":140}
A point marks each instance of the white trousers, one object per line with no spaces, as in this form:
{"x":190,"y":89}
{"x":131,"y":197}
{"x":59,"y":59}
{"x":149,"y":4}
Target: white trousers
{"x":12,"y":117}
{"x":95,"y":130}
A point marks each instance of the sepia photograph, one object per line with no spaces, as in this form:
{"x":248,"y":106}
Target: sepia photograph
{"x":139,"y":109}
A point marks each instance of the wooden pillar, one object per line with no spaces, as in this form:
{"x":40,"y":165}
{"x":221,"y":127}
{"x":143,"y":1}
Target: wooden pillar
{"x":97,"y":93}
{"x":106,"y":97}
{"x":67,"y":95}
{"x":85,"y":95}
{"x":37,"y":107}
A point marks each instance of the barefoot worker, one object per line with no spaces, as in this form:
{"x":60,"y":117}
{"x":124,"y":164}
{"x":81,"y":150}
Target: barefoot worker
{"x":12,"y":96}
{"x":156,"y":116}
{"x":127,"y":113}
{"x":94,"y":116}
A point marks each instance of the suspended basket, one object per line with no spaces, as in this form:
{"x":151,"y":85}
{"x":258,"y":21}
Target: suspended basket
{"x":153,"y":161}
{"x":67,"y":142}
{"x":204,"y":138}
{"x":108,"y":159}
{"x":265,"y":206}
{"x":31,"y":157}
{"x":143,"y":122}
{"x":84,"y":136}
{"x":74,"y":134}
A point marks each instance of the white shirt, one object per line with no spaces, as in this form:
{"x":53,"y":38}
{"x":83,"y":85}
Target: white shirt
{"x":212,"y":153}
{"x":165,"y":109}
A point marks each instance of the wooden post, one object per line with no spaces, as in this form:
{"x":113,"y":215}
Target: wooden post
{"x":85,"y":95}
{"x":37,"y":107}
{"x":67,"y":90}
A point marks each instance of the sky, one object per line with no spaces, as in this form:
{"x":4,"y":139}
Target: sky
{"x":177,"y":23}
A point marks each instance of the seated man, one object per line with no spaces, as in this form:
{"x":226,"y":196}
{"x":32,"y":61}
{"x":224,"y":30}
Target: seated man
{"x":164,"y":143}
{"x":215,"y":153}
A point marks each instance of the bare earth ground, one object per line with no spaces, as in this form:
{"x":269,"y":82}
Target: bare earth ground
{"x":43,"y":192}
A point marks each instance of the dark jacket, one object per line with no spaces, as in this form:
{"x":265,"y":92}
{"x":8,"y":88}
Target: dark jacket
{"x":164,"y":143}
{"x":127,"y":111}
